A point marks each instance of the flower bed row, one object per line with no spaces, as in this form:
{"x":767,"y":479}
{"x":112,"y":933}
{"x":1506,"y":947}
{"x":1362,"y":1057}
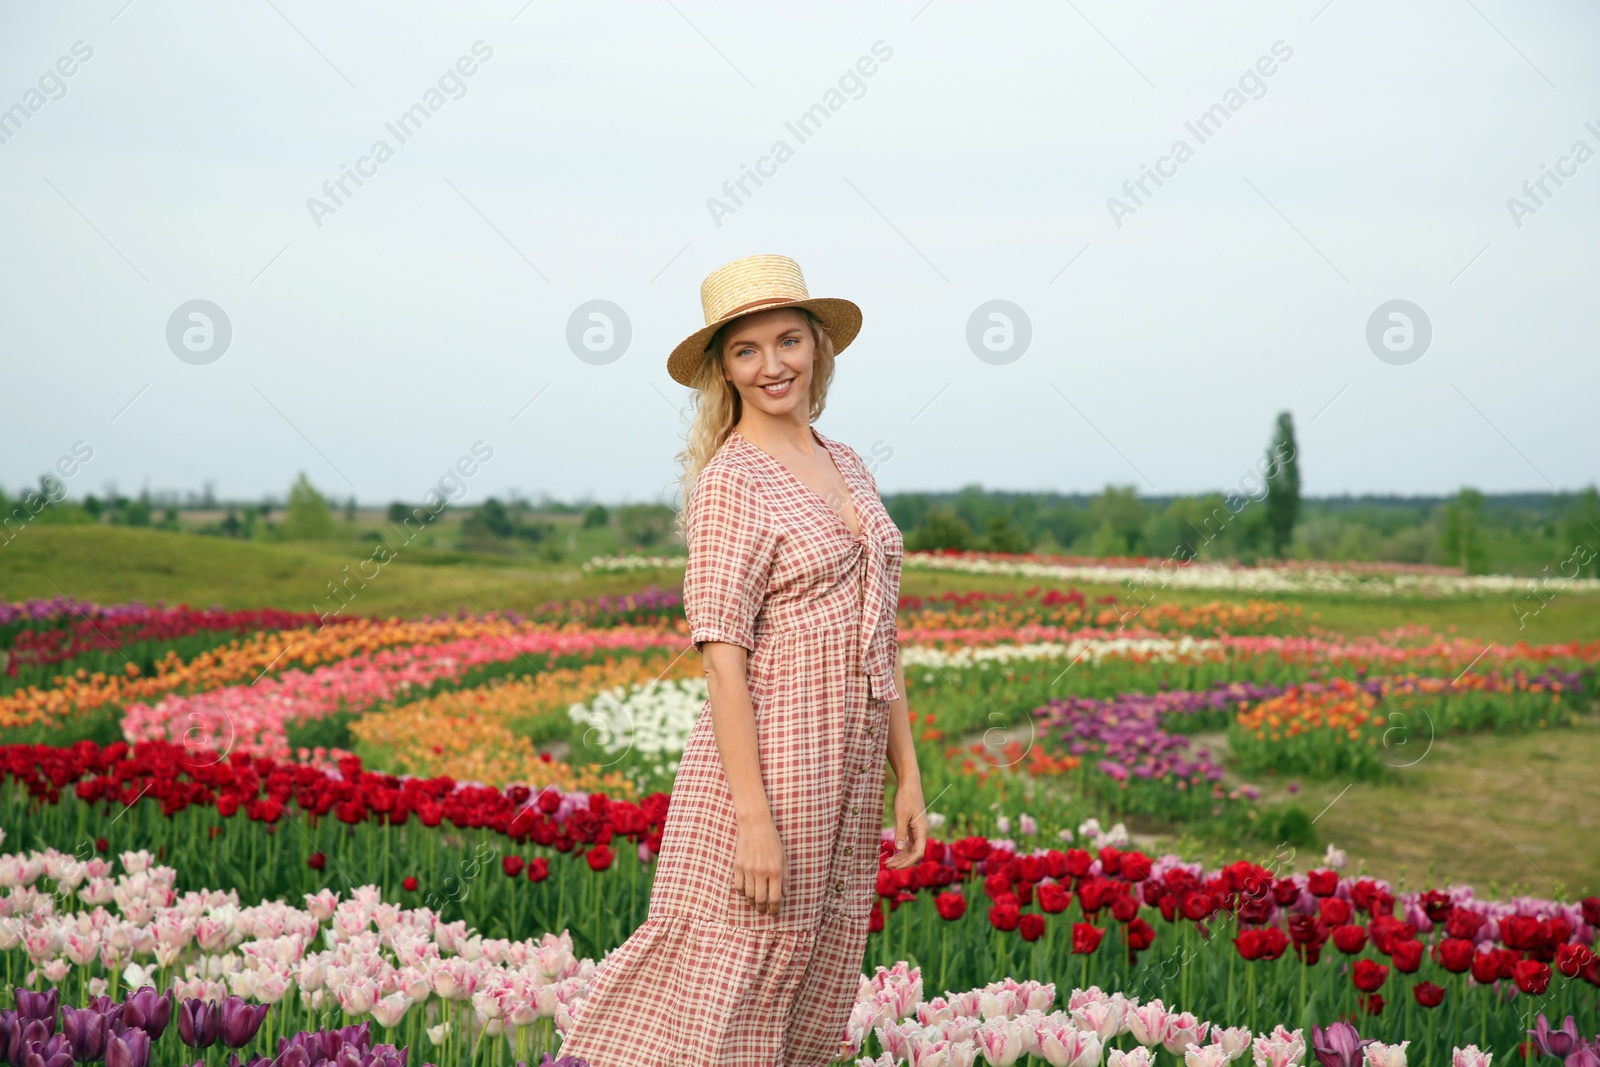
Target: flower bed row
{"x":241,"y":974}
{"x":514,"y":860}
{"x":245,"y":661}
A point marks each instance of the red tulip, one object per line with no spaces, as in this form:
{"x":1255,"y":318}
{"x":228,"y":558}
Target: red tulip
{"x":1436,"y":904}
{"x":1369,"y":975}
{"x":1374,"y":1003}
{"x":1485,"y":967}
{"x":410,"y":884}
{"x":1463,"y":923}
{"x":1140,"y":934}
{"x":1005,"y":915}
{"x":599,"y":857}
{"x":875,"y":922}
{"x":1406,"y":956}
{"x":1251,"y":943}
{"x":1198,"y":906}
{"x":1031,"y":926}
{"x":1124,"y":908}
{"x":512,"y":865}
{"x":1334,"y":911}
{"x":1573,"y":958}
{"x":1322,"y":883}
{"x":1078,"y":862}
{"x":1591,"y":910}
{"x":538,"y":869}
{"x":1306,"y":930}
{"x":1086,"y":938}
{"x":1350,"y":939}
{"x":1454,"y":955}
{"x":1428,"y":994}
{"x":316,"y":861}
{"x":951,"y":905}
{"x":1531,"y":976}
{"x":1135,"y":867}
{"x":1053,"y":897}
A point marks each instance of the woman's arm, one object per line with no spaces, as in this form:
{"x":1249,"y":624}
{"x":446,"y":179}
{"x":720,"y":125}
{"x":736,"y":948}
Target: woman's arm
{"x":910,"y":812}
{"x":759,"y":865}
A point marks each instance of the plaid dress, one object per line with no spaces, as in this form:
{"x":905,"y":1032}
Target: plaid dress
{"x":706,"y":979}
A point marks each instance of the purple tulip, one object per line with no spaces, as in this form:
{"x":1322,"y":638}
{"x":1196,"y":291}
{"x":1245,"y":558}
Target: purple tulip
{"x":240,"y":1021}
{"x":253,"y":1061}
{"x":41,"y":1006}
{"x":1558,"y":1044}
{"x":131,"y":1048}
{"x":149,"y":1011}
{"x":87,"y":1031}
{"x":54,"y":1052}
{"x":1585,"y":1055}
{"x":1340,"y":1045}
{"x":199,"y":1022}
{"x":294,"y":1056}
{"x":25,"y":1033}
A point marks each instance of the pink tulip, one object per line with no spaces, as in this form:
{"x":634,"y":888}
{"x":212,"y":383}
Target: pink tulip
{"x":391,"y":1009}
{"x":1212,"y":1055}
{"x":1182,"y":1031}
{"x":1102,"y":1018}
{"x":1000,"y":1041}
{"x":1281,"y":1048}
{"x":1381,"y":1055}
{"x":1065,"y":1045}
{"x":1148,"y":1022}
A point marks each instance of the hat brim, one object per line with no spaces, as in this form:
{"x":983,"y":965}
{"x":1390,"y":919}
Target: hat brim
{"x":840,"y":317}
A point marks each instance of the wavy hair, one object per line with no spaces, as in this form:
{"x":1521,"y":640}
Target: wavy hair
{"x":718,"y":405}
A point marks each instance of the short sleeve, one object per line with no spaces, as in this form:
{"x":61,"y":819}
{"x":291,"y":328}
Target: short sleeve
{"x":731,"y":548}
{"x":866,"y":472}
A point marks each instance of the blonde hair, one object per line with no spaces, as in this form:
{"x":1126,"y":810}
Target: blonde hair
{"x":718,"y":406}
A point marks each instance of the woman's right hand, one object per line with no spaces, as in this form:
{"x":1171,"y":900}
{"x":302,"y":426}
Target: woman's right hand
{"x":759,"y":865}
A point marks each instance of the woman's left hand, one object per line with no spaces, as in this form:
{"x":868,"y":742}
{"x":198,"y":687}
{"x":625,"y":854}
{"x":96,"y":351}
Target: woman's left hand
{"x":910,"y":826}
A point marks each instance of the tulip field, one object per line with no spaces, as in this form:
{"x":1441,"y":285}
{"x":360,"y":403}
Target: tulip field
{"x":268,"y":837}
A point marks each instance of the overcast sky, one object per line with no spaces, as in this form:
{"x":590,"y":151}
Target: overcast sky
{"x":378,"y":332}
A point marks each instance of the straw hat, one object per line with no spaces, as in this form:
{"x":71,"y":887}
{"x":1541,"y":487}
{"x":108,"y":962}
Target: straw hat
{"x":759,"y":283}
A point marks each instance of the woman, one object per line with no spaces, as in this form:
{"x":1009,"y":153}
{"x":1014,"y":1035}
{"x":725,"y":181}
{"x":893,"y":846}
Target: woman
{"x":752,"y":949}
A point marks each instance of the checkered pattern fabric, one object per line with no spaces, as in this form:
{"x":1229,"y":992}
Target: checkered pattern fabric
{"x":706,"y":980}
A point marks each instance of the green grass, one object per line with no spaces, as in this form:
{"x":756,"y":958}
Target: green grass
{"x":1504,"y":814}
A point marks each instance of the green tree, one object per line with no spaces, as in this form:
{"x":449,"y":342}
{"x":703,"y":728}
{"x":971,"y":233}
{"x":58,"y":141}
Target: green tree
{"x":135,"y":512}
{"x":1580,"y":529}
{"x":595,"y":515}
{"x":645,"y":526}
{"x":1002,"y":535}
{"x":941,"y":528}
{"x":1283,"y":485}
{"x":308,"y":515}
{"x":1461,"y":541}
{"x":1118,"y":518}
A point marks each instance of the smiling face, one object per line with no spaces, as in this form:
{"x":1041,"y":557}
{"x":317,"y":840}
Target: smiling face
{"x":768,"y":356}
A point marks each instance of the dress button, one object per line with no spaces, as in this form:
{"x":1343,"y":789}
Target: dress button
{"x":870,"y":729}
{"x":855,"y":809}
{"x":838,"y":887}
{"x":849,"y":849}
